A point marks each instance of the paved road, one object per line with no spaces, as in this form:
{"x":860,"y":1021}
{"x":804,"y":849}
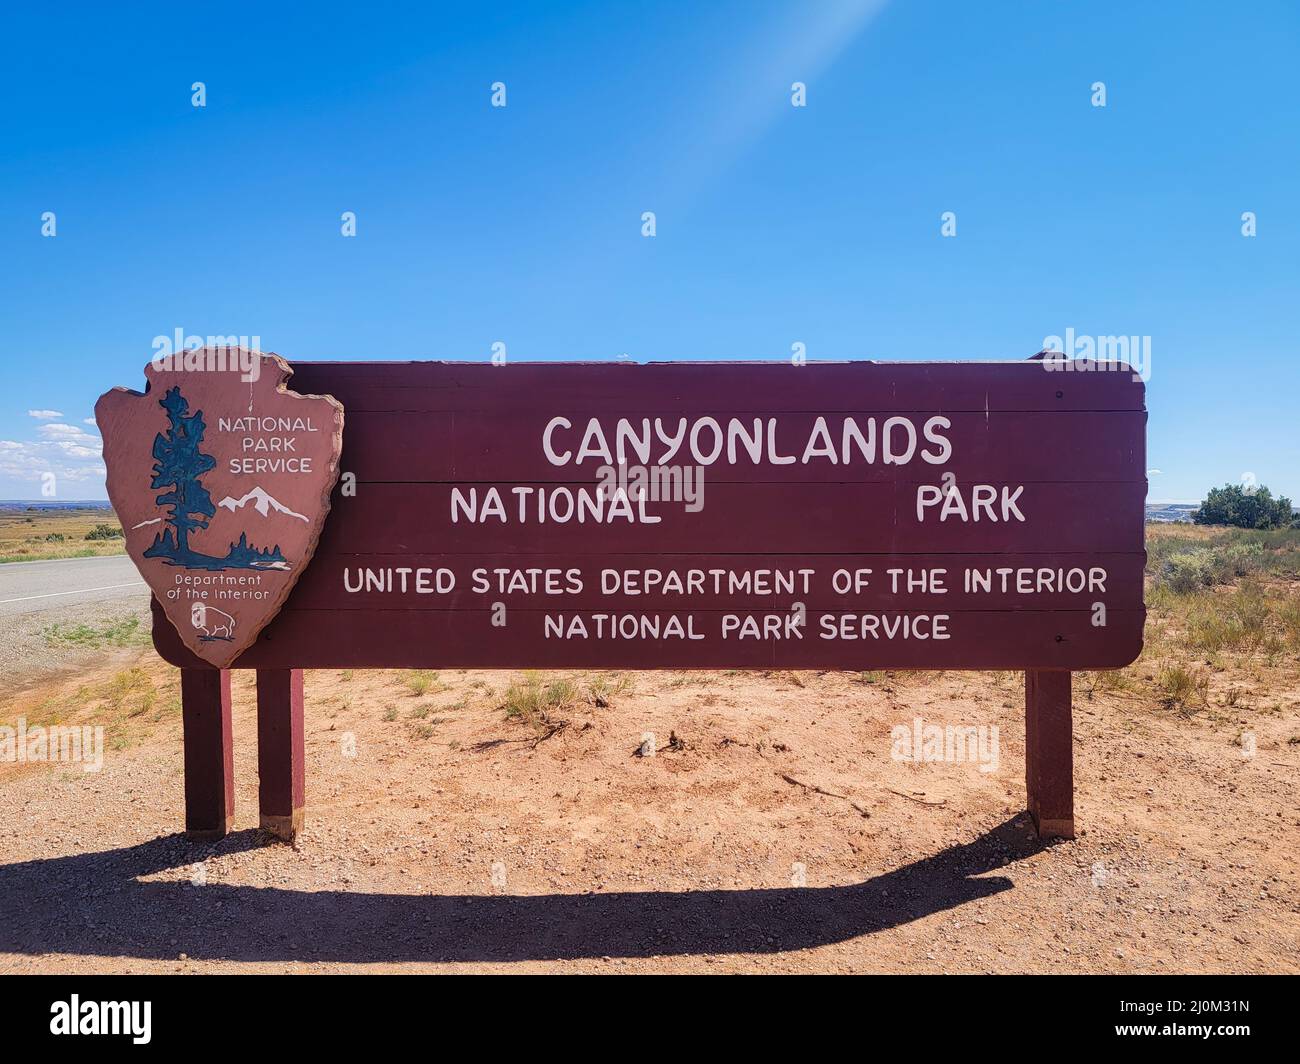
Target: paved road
{"x":39,"y":587}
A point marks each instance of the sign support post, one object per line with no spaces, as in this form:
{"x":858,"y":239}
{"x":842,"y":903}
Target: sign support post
{"x":209,"y":753}
{"x":281,"y":752}
{"x":1049,"y":754}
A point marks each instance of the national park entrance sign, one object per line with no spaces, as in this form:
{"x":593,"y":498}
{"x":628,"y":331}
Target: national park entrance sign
{"x":607,"y":515}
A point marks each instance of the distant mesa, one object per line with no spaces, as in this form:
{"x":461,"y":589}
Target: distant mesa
{"x":1175,"y":512}
{"x":262,"y":502}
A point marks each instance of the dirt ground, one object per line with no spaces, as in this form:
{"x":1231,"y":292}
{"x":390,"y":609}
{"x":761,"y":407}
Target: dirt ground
{"x":771,"y":831}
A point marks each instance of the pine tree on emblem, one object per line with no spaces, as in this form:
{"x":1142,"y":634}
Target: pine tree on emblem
{"x":178,"y":465}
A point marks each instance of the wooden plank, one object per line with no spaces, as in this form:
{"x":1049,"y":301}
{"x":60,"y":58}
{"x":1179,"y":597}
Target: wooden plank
{"x":720,"y":581}
{"x":737,"y":518}
{"x":776,"y":387}
{"x":468,"y":639}
{"x":1061,"y":446}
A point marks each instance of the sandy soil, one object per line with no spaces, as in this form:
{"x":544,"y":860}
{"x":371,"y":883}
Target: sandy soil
{"x":439,"y":836}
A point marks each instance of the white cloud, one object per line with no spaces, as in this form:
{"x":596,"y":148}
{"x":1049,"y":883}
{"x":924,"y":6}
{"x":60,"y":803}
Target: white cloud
{"x":76,"y":450}
{"x":70,"y":441}
{"x":57,"y":430}
{"x":1154,"y":472}
{"x":90,"y":421}
{"x":68,"y":452}
{"x":73,"y":453}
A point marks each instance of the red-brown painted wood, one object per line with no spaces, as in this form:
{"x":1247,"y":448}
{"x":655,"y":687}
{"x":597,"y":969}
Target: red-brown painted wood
{"x":281,"y":751}
{"x":1075,"y":446}
{"x":1071,"y":441}
{"x":940,"y":387}
{"x":1049,"y":753}
{"x":757,"y":518}
{"x":396,"y":639}
{"x":320,"y":587}
{"x":209,"y":751}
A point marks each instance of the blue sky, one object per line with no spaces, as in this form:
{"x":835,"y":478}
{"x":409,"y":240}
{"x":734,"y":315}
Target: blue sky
{"x":775,"y":224}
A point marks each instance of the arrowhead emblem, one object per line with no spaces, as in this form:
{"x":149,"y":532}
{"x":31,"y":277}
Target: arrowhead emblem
{"x":221,"y":478}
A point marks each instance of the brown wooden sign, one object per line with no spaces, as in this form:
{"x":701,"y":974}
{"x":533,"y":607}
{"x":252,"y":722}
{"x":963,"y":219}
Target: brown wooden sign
{"x":848,"y":516}
{"x":221,"y":478}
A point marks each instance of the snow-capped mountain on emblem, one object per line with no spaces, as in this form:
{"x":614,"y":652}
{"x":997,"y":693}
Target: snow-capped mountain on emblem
{"x":205,"y":431}
{"x":262,"y":502}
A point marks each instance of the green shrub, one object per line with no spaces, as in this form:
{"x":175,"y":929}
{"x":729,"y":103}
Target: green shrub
{"x":1233,"y":505}
{"x":1202,"y":567}
{"x":1186,"y":572}
{"x":1239,"y":559}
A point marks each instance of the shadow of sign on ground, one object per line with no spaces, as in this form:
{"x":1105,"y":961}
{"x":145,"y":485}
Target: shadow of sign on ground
{"x":97,"y":905}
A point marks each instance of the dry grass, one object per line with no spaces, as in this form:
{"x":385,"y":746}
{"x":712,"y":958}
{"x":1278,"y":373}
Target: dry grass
{"x":421,"y":681}
{"x":601,"y":690}
{"x":128,"y":704}
{"x":40,"y":535}
{"x":1187,"y":559}
{"x":1223,"y":606}
{"x":1182,"y":688}
{"x":534,"y":701}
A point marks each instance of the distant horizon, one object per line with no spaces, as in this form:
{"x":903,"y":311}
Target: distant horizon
{"x":54,"y":502}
